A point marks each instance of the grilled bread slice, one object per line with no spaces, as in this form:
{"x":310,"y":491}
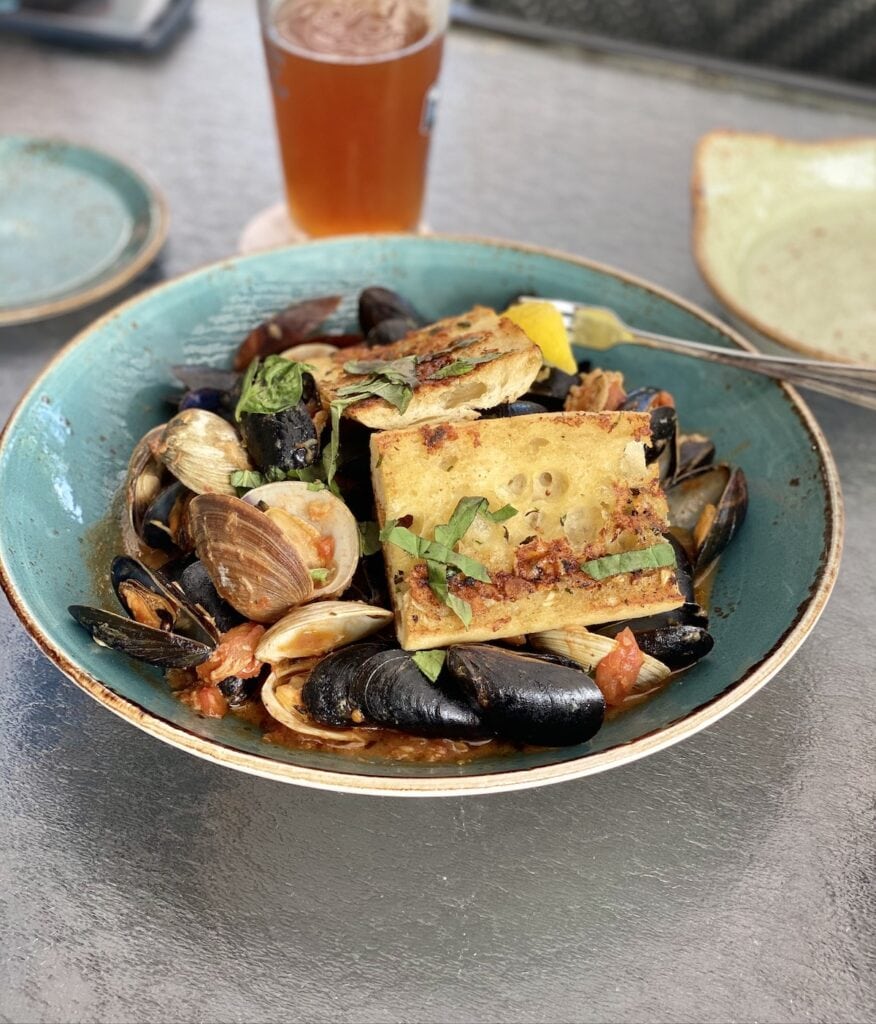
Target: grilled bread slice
{"x":581,"y":489}
{"x":475,"y":335}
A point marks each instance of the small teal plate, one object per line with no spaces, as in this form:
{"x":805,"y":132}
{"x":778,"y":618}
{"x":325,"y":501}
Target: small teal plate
{"x":64,"y":451}
{"x":75,"y":225}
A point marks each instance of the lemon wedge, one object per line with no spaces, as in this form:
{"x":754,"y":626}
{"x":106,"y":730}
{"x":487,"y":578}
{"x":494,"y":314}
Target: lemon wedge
{"x":544,"y":326}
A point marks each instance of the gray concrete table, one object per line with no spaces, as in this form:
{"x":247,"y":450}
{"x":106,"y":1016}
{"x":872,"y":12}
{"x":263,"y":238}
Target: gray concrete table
{"x":725,"y":879}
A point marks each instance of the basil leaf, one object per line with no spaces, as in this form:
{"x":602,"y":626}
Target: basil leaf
{"x":319,"y":575}
{"x":658,"y":556}
{"x":430,"y":663}
{"x":369,"y":537}
{"x":438,"y":586}
{"x":396,"y":393}
{"x":316,"y":485}
{"x":271,"y":386}
{"x":501,"y":514}
{"x":396,"y":371}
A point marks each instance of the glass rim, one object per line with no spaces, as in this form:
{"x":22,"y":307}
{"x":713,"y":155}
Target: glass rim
{"x":266,"y":7}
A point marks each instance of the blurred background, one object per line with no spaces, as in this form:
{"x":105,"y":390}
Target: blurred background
{"x":833,"y":38}
{"x":828,"y":37}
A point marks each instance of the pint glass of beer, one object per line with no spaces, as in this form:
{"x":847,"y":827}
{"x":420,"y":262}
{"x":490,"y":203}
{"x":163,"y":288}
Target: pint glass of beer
{"x":355,"y":84}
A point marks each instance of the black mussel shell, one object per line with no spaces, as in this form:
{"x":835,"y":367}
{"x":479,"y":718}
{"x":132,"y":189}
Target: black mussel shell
{"x":327,"y":696}
{"x":518,"y":408}
{"x":130,"y":577}
{"x":527,"y":699}
{"x":388,"y":331}
{"x":284,"y":439}
{"x":195,"y":376}
{"x":379,"y":304}
{"x":387,"y":690}
{"x":719,"y":485}
{"x":694,"y":450}
{"x":664,"y":424}
{"x":678,"y":646}
{"x":163,"y":521}
{"x":684,"y":575}
{"x":155,"y":646}
{"x":552,"y":390}
{"x":194,"y":581}
{"x":291,"y":326}
{"x":732,"y":509}
{"x":239,"y":692}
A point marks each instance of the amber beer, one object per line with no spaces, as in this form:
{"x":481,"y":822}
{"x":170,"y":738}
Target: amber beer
{"x":354,"y":85}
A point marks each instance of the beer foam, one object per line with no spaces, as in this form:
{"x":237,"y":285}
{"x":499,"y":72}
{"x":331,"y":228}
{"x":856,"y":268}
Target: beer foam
{"x":352,"y":28}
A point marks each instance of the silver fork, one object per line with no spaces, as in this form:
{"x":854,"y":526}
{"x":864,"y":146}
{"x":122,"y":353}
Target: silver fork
{"x":850,"y":382}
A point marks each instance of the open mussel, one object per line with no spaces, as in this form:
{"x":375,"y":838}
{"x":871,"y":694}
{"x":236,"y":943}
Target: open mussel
{"x":250,"y":560}
{"x":367,"y":684}
{"x":202,"y":450}
{"x":289,"y":327}
{"x":155,"y":646}
{"x":664,"y":426}
{"x":708,"y":505}
{"x":164,"y":521}
{"x":694,"y":450}
{"x":526,"y":699}
{"x":160,"y":627}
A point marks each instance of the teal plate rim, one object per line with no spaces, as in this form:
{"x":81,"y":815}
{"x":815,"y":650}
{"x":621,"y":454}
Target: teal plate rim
{"x":158,"y":226}
{"x":807,"y":615}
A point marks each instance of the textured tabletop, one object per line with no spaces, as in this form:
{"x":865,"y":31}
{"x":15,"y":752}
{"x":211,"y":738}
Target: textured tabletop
{"x":728,"y":878}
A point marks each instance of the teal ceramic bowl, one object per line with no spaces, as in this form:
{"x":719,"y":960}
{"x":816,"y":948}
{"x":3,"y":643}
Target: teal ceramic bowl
{"x":64,"y":452}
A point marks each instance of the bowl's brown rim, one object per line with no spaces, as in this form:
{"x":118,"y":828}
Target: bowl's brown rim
{"x":159,"y":221}
{"x":700,"y":228}
{"x":807,"y":613}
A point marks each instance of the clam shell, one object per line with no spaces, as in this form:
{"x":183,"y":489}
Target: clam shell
{"x":248,"y":558}
{"x":319,"y":628}
{"x":202,"y":450}
{"x":281,"y":696}
{"x":329,"y":515}
{"x":588,"y":649}
{"x":309,"y":350}
{"x":143,"y":483}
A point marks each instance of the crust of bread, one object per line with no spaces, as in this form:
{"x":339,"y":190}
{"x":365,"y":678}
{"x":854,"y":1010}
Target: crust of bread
{"x":581,"y":489}
{"x":488,"y":384}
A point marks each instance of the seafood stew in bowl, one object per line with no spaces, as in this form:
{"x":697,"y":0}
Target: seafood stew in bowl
{"x":385,"y":538}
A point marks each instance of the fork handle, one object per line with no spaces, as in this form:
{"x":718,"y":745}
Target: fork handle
{"x":855,"y":384}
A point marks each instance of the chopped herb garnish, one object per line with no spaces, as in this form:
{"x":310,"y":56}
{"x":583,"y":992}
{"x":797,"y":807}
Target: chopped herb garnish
{"x":429,"y":663}
{"x":319,"y":575}
{"x":439,"y":555}
{"x":246,"y":478}
{"x":397,"y":371}
{"x":369,"y":537}
{"x":316,"y":485}
{"x":658,"y":556}
{"x":459,"y":367}
{"x":271,"y":386}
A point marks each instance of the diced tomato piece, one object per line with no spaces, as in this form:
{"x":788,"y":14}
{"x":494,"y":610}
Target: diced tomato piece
{"x":210,"y":702}
{"x":234,"y":655}
{"x":618,"y":671}
{"x":325,"y":548}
